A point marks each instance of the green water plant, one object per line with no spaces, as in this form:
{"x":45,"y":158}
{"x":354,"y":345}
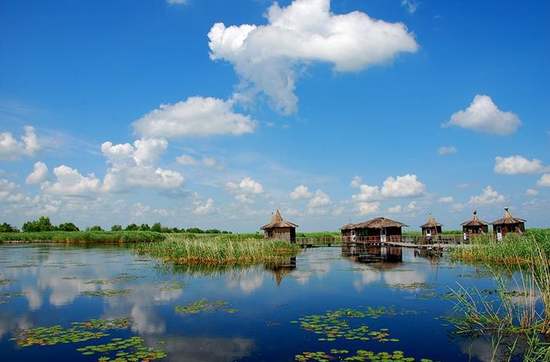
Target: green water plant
{"x":106,"y":293}
{"x":122,"y":350}
{"x":337,"y":324}
{"x":359,"y":355}
{"x":204,"y":305}
{"x":222,"y":249}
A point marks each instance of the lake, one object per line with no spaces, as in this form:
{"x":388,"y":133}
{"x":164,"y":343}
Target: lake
{"x":250,"y":314}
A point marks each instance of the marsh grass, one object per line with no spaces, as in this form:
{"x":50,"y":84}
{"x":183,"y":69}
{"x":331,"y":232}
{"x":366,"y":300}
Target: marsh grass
{"x":514,"y":249}
{"x":219,"y":250}
{"x":83,"y":237}
{"x":517,"y":321}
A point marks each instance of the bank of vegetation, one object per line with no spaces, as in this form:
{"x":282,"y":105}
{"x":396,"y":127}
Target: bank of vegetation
{"x":516,"y":319}
{"x":514,"y":249}
{"x":184,"y":249}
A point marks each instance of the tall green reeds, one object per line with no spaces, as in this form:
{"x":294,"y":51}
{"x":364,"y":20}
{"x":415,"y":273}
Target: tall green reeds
{"x":518,"y":318}
{"x":219,"y":250}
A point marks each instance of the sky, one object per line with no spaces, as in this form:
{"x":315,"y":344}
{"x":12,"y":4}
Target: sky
{"x":213,"y":113}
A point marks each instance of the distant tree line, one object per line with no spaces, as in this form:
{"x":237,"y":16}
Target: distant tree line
{"x":44,"y":224}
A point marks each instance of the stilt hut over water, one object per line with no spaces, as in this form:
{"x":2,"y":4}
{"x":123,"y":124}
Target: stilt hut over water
{"x":508,"y":224}
{"x":280,"y":229}
{"x":431,"y":228}
{"x":475,"y":226}
{"x":379,"y":229}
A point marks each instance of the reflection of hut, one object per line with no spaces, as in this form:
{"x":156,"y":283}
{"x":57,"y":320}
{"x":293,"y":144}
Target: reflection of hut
{"x":475,"y":226}
{"x":508,"y":224}
{"x":374,"y":230}
{"x":431,"y":228}
{"x":280,"y":229}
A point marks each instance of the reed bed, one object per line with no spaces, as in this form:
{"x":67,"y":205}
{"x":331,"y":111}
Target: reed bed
{"x":514,"y":249}
{"x":518,"y":320}
{"x":219,"y":250}
{"x":83,"y":237}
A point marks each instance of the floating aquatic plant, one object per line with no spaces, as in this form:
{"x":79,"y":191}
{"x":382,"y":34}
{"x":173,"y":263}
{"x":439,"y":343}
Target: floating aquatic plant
{"x":204,"y":306}
{"x":336,"y":324}
{"x":104,"y":324}
{"x":168,"y":286}
{"x":130,"y":349}
{"x":360,"y":355}
{"x":50,"y":336}
{"x":106,"y":293}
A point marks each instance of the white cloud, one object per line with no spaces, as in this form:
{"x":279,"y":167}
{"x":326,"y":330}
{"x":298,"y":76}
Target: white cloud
{"x":544,"y":180}
{"x":484,"y":116}
{"x":196,"y":116}
{"x":487,"y":196}
{"x":532,"y":192}
{"x":393,"y":187}
{"x":266,"y":56}
{"x":69,"y":182}
{"x":319,"y":200}
{"x":210,"y":162}
{"x":204,"y":208}
{"x":356,"y":181}
{"x":186,"y":160}
{"x":447,"y":150}
{"x":410,"y":5}
{"x":403,"y":186}
{"x":300,"y":192}
{"x":245,"y":190}
{"x":134,"y":166}
{"x":395,"y":209}
{"x":366,"y":208}
{"x":9,"y":192}
{"x":517,"y":164}
{"x":12,"y":149}
{"x":446,"y":199}
{"x":38,"y":174}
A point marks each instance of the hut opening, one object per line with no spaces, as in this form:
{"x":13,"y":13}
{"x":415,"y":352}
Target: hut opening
{"x":431,"y":228}
{"x":475,"y":226}
{"x":280,"y":229}
{"x":379,"y":229}
{"x":508,"y":224}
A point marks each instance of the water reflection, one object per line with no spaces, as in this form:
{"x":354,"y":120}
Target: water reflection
{"x":54,"y":283}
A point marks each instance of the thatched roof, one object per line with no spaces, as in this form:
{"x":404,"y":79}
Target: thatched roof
{"x":376,"y":223}
{"x":508,"y":219}
{"x":475,"y":221}
{"x":431,"y":223}
{"x":277,"y":221}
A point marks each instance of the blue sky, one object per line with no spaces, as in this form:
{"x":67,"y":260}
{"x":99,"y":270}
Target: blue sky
{"x":333,"y":111}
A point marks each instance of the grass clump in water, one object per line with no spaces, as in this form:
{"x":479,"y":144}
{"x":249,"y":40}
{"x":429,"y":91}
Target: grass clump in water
{"x":517,"y":322}
{"x":219,"y":250}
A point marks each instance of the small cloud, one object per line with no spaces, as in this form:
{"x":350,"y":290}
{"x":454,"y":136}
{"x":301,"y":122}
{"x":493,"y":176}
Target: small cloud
{"x":447,"y":150}
{"x":204,"y":208}
{"x":300,"y":192}
{"x":38,"y":174}
{"x":356,"y":181}
{"x":517,"y":164}
{"x":484,"y":116}
{"x":410,"y":5}
{"x":488,"y":196}
{"x":531,"y":192}
{"x":12,"y":149}
{"x":446,"y":199}
{"x":544,"y":180}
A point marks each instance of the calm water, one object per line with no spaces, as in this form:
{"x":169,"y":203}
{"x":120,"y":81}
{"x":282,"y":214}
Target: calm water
{"x":49,"y":285}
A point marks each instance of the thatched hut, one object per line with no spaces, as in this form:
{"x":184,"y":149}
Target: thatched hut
{"x":508,"y":224}
{"x":431,"y":228}
{"x":280,"y":229}
{"x":374,"y":230}
{"x":474,"y":226}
